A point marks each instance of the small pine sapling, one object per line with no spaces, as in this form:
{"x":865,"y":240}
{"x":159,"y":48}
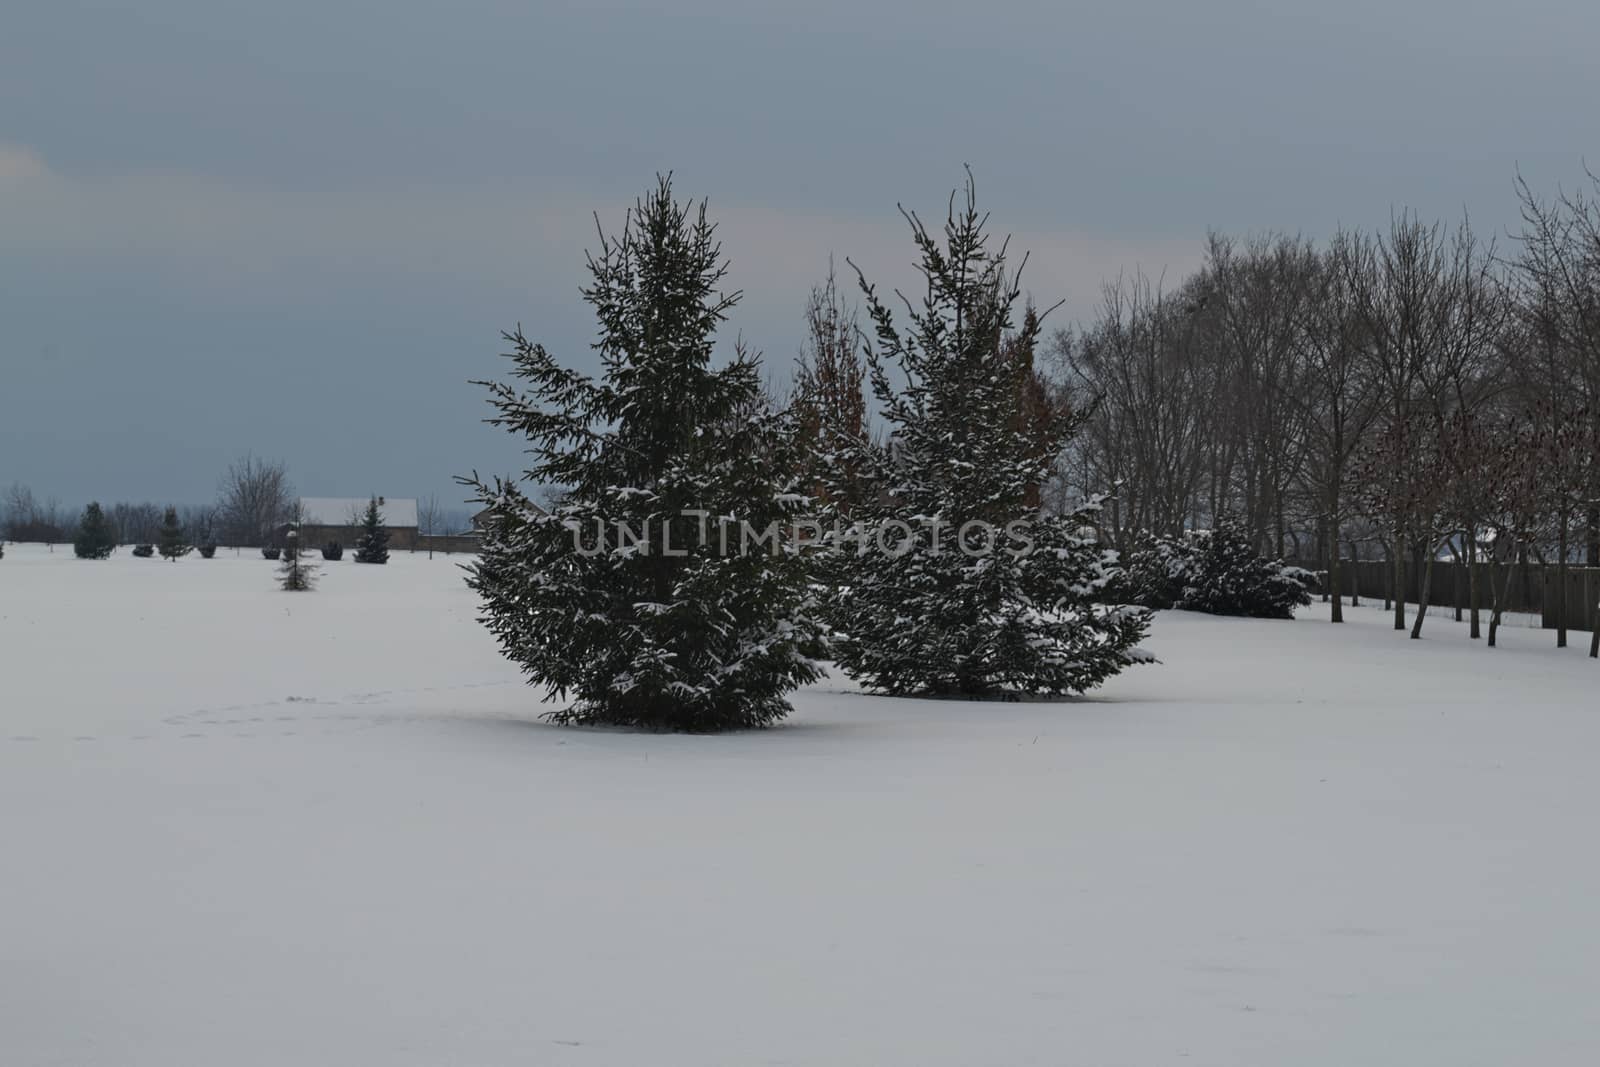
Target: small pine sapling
{"x":295,"y":575}
{"x":171,"y":539}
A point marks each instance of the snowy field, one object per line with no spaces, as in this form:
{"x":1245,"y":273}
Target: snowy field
{"x":246,"y":827}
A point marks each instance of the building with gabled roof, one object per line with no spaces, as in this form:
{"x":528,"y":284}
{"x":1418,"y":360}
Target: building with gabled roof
{"x":338,"y":518}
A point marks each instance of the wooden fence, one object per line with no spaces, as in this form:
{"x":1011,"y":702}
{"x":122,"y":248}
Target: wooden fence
{"x":1534,"y":588}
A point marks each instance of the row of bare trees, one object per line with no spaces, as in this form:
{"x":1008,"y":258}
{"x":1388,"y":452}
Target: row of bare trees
{"x":254,"y":497}
{"x":23,"y":517}
{"x":1412,"y":393}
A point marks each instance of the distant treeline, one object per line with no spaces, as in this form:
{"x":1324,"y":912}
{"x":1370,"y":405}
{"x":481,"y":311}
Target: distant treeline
{"x":255,"y":498}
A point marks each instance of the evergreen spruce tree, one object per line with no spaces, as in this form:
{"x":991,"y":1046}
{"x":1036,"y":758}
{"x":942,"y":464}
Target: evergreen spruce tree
{"x":372,"y":546}
{"x":95,"y":538}
{"x":921,"y":607}
{"x":679,"y":631}
{"x":171,"y":541}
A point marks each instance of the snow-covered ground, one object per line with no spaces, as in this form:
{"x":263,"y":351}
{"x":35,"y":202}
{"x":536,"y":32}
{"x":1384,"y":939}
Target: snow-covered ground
{"x":246,"y":827}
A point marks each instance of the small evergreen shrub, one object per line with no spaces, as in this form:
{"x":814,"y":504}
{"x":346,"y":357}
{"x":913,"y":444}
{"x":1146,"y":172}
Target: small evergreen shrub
{"x":333,"y":550}
{"x":1216,"y":571}
{"x":1153,"y":573}
{"x":144,"y":551}
{"x":270,"y":553}
{"x":208,"y":550}
{"x":1229,"y":577}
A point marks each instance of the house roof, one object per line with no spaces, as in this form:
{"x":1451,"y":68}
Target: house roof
{"x":397,"y":511}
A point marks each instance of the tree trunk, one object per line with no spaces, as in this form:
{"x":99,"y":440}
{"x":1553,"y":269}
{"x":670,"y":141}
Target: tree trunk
{"x":1399,"y":582}
{"x":1419,"y":562}
{"x":1500,"y":597}
{"x":1474,"y":584}
{"x":1423,"y":593}
{"x":1561,"y":580}
{"x":1388,"y":585}
{"x":1455,"y":581}
{"x":1333,"y":585}
{"x":1594,"y":638}
{"x":1325,"y":556}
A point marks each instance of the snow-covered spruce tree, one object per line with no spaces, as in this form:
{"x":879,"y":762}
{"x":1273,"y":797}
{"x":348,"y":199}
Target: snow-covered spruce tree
{"x":1225,"y":575}
{"x":680,"y":631}
{"x":372,"y":546}
{"x":95,"y":538}
{"x":171,"y":541}
{"x":921,"y":607}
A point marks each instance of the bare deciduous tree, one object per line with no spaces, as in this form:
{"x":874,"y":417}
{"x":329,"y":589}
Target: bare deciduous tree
{"x":430,"y":519}
{"x":25,"y":518}
{"x":830,"y":381}
{"x":1336,"y":406}
{"x":254,"y":498}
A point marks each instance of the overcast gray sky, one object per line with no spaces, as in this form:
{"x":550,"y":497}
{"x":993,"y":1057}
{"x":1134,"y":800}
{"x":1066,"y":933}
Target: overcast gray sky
{"x":297,"y":227}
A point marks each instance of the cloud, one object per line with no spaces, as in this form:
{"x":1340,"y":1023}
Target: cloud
{"x":778,"y":256}
{"x":216,"y":235}
{"x":19,"y":161}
